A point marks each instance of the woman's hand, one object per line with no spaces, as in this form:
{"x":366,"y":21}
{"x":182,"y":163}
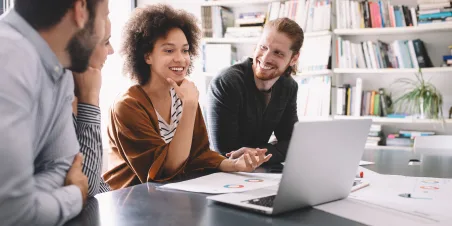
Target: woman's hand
{"x":87,"y":86}
{"x":186,"y":91}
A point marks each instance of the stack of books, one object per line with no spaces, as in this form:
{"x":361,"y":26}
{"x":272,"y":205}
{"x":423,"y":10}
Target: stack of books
{"x":375,"y":55}
{"x":405,"y":138}
{"x":434,"y":11}
{"x":353,"y":14}
{"x":375,"y":135}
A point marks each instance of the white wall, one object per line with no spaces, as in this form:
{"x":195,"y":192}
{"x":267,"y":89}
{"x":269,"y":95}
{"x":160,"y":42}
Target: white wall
{"x":113,"y":81}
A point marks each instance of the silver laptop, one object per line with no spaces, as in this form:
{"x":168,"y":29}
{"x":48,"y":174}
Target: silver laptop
{"x":320,"y":167}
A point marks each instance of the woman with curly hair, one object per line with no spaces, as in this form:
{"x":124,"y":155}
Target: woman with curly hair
{"x":156,"y":128}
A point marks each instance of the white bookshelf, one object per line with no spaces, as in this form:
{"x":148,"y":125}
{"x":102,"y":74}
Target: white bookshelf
{"x":316,"y":34}
{"x":231,"y":40}
{"x":396,"y":30}
{"x":391,"y":70}
{"x":386,"y":120}
{"x":236,"y":3}
{"x":394,"y":148}
{"x":315,"y":73}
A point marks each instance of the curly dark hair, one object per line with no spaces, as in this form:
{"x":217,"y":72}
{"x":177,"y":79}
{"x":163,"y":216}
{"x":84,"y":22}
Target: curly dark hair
{"x":145,"y":27}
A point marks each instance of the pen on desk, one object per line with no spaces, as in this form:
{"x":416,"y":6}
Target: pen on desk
{"x":408,"y":195}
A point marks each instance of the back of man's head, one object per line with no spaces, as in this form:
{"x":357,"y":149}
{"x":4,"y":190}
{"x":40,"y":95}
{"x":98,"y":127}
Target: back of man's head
{"x":44,"y":14}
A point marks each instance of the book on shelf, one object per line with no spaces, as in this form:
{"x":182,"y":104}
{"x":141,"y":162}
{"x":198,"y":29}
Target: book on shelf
{"x":311,"y":15}
{"x":315,"y":54}
{"x":215,"y":20}
{"x":353,"y":14}
{"x":378,"y":54}
{"x":313,"y":97}
{"x":434,"y":11}
{"x":250,"y":19}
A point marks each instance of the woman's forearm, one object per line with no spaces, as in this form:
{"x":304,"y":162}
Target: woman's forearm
{"x":180,"y":145}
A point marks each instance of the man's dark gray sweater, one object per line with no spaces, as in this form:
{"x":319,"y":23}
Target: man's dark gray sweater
{"x":237,"y":115}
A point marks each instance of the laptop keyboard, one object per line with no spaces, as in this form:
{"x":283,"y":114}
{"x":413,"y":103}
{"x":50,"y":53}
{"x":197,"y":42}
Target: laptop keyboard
{"x":264,"y":201}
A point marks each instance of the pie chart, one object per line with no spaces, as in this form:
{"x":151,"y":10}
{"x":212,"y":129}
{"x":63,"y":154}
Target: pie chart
{"x":234,"y":186}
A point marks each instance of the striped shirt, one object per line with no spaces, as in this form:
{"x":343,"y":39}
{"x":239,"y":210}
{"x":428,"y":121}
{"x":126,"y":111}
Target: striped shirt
{"x":87,"y":127}
{"x":167,"y":131}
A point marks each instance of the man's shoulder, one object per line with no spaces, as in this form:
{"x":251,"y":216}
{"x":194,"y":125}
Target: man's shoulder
{"x":289,"y":82}
{"x":19,"y":60}
{"x":231,"y":77}
{"x":13,"y":44}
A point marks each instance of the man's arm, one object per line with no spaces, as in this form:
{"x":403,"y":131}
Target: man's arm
{"x":24,"y":198}
{"x":87,"y":126}
{"x":283,"y":131}
{"x":222,"y":116}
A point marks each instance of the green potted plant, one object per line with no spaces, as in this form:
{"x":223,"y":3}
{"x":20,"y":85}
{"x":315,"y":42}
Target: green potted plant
{"x":420,"y":98}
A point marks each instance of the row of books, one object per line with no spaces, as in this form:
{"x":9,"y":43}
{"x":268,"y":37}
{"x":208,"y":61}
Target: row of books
{"x":374,"y":55}
{"x":311,"y":15}
{"x":434,"y":11}
{"x":313,"y":97}
{"x":354,"y":101}
{"x":215,"y":20}
{"x":354,"y":14}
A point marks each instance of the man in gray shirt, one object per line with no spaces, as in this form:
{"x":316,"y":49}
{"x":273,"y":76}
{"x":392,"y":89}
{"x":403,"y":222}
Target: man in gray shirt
{"x":41,"y":181}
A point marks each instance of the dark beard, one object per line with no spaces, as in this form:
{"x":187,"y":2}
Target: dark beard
{"x":81,"y":46}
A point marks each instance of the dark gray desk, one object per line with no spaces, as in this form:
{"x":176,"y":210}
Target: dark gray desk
{"x":145,"y":205}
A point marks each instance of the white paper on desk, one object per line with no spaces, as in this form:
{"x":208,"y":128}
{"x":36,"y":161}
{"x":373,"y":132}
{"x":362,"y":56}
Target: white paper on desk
{"x":219,"y":183}
{"x":361,"y":163}
{"x":380,"y":203}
